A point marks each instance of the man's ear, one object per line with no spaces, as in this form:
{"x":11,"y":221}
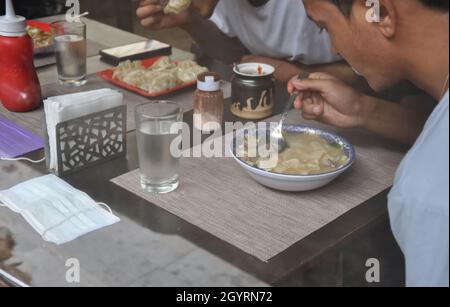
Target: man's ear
{"x":388,"y":18}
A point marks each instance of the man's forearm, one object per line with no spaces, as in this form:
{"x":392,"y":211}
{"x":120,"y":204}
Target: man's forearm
{"x":204,"y":8}
{"x":203,"y":31}
{"x":199,"y":12}
{"x":392,"y":120}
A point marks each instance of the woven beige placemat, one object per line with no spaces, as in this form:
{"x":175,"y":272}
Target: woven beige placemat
{"x":220,"y":198}
{"x":33,"y":120}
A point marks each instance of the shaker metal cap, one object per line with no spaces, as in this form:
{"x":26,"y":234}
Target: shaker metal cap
{"x":12,"y":25}
{"x":208,"y":82}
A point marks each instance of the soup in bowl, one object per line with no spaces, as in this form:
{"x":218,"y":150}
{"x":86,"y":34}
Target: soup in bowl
{"x":312,"y":159}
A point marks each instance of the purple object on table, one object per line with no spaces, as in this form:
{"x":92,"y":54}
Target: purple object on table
{"x":16,"y":141}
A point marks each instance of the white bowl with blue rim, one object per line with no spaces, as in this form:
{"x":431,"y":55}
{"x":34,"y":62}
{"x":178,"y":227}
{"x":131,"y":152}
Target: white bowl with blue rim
{"x":296,"y":183}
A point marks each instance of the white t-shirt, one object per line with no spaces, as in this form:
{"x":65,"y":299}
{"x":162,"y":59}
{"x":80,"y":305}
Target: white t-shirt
{"x":278,"y":29}
{"x":419,"y":203}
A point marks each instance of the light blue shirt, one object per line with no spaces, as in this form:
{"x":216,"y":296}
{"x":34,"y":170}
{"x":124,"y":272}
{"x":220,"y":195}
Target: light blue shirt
{"x":419,"y":204}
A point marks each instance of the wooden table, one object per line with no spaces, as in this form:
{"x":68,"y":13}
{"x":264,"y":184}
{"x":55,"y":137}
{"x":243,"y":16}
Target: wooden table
{"x":152,"y":247}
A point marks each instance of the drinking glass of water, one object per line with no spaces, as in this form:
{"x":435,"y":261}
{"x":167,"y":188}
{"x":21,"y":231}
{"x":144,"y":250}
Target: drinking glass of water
{"x":70,"y":52}
{"x":158,"y":140}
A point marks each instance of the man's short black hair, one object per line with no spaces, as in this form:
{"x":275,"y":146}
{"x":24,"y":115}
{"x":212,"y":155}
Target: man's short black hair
{"x":438,"y":4}
{"x":346,"y":5}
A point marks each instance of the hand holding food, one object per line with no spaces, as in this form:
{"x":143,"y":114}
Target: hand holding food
{"x":329,"y":100}
{"x":177,"y":6}
{"x":152,"y":14}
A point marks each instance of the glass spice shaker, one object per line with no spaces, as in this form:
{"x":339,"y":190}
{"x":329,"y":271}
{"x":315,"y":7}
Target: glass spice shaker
{"x":208,"y":103}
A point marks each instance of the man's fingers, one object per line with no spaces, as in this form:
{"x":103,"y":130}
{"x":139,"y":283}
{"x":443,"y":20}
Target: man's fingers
{"x":309,"y":117}
{"x":316,"y":82}
{"x":321,"y":76}
{"x":317,"y":85}
{"x":149,"y":10}
{"x":290,"y":87}
{"x":306,"y":110}
{"x":151,"y":22}
{"x":312,"y":107}
{"x":298,"y":101}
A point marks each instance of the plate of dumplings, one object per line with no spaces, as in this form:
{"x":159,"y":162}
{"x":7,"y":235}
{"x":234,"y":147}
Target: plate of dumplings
{"x":154,"y":77}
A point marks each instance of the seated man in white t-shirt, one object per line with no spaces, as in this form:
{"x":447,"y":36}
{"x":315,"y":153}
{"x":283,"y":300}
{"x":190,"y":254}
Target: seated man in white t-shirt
{"x":278,"y":33}
{"x":409,"y":42}
{"x":276,"y":29}
{"x":274,"y":32}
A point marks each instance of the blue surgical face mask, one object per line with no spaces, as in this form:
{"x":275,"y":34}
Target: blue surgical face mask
{"x":56,"y":210}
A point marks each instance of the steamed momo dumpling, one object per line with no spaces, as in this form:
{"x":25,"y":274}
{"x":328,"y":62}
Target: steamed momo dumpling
{"x":159,"y":81}
{"x":163,"y":64}
{"x":135,"y":77}
{"x":188,"y":71}
{"x":125,"y":68}
{"x":177,"y":6}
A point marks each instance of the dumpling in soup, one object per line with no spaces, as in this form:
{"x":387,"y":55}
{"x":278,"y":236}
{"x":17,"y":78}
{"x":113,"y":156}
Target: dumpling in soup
{"x":306,"y":154}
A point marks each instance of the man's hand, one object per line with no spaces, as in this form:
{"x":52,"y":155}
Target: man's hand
{"x":151,"y":14}
{"x":329,"y":100}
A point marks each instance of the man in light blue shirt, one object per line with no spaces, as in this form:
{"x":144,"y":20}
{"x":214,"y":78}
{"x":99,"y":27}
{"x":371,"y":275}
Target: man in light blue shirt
{"x":392,"y":41}
{"x":419,"y":203}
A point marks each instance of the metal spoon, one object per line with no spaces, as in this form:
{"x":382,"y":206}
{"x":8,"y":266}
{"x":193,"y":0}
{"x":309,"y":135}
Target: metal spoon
{"x":276,"y":136}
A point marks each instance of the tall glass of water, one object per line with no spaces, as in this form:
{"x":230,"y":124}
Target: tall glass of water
{"x":157,"y":137}
{"x":70,"y":52}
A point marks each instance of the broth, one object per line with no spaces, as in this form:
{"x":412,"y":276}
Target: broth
{"x":306,"y":154}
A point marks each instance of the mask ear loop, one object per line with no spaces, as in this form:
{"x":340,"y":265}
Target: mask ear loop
{"x":106,"y":207}
{"x":23,"y":159}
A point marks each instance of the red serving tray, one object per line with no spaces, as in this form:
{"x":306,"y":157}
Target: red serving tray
{"x":108,"y":76}
{"x":44,"y":26}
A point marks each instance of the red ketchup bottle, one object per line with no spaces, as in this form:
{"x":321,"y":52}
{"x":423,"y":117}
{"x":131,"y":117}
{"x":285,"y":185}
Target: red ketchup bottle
{"x":20,"y":90}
